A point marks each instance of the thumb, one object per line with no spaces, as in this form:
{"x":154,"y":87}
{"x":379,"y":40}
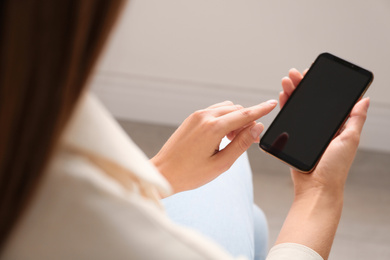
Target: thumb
{"x":240,"y":144}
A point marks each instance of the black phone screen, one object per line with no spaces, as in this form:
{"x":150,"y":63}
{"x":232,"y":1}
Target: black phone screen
{"x":315,"y":111}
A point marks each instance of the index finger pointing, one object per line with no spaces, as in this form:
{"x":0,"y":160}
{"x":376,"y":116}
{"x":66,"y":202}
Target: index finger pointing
{"x":242,"y":117}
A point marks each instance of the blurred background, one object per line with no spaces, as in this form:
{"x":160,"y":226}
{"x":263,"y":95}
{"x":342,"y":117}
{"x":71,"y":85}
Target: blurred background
{"x":169,"y":58}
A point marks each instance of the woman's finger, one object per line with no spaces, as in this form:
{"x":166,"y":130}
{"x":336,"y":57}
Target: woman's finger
{"x":283,"y":97}
{"x":234,"y":133}
{"x":295,"y":76}
{"x":221,"y":104}
{"x":288,"y":86}
{"x":231,"y":135}
{"x":357,"y":117}
{"x":223,"y":110}
{"x":226,"y":157}
{"x":242,"y":117}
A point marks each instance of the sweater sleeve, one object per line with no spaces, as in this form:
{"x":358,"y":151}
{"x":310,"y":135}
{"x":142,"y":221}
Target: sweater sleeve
{"x":291,"y":251}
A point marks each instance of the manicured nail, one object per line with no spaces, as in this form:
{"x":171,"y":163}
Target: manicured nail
{"x":256,"y":130}
{"x":272,"y":101}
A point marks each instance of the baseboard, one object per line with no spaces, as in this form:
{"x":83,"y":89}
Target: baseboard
{"x":169,"y":101}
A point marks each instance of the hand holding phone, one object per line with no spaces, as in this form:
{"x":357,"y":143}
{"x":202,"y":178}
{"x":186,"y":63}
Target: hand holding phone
{"x":339,"y":157}
{"x":316,"y":210}
{"x":315,"y":112}
{"x":314,"y":216}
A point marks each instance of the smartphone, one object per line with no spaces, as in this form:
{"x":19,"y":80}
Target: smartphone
{"x":315,"y":112}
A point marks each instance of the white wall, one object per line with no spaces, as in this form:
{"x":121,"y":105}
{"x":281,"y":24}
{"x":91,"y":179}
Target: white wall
{"x":169,"y":58}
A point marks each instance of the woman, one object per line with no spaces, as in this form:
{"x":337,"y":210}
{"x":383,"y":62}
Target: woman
{"x":74,"y":187}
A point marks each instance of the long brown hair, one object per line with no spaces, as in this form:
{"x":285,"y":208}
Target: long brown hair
{"x":47,"y":51}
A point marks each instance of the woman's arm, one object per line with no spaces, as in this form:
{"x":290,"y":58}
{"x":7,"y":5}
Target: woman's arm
{"x":316,"y":210}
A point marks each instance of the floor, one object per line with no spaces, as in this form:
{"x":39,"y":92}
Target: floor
{"x":364,"y":230}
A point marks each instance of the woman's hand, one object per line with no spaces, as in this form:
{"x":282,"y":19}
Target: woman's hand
{"x":315,"y":213}
{"x":191,"y":156}
{"x":331,"y":171}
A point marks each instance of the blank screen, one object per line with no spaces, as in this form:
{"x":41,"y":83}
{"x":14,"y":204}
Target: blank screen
{"x":315,"y":111}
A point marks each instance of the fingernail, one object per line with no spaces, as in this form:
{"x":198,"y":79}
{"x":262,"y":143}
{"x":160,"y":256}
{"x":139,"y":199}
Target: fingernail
{"x":368,"y":103}
{"x":256,"y":130}
{"x":272,"y":101}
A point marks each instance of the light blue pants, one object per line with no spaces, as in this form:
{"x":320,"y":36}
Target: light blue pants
{"x":224,"y":211}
